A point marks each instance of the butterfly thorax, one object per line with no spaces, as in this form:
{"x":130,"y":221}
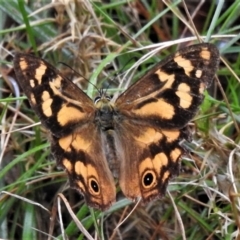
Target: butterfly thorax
{"x":105,"y":113}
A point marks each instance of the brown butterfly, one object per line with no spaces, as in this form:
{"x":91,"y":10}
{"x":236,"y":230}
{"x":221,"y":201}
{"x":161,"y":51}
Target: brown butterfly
{"x":135,"y":139}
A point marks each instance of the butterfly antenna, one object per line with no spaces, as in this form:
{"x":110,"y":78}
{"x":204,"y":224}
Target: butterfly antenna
{"x":105,"y":92}
{"x":99,"y":91}
{"x":120,"y":71}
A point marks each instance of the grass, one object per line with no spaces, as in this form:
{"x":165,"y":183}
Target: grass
{"x":111,"y":45}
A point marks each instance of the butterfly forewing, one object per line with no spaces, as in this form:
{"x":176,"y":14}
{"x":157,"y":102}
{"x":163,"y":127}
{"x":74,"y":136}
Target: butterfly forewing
{"x":168,"y":96}
{"x":60,"y":105}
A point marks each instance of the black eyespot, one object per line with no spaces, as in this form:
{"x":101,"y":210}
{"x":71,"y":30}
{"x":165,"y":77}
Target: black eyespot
{"x":148,"y":178}
{"x":94,"y":186}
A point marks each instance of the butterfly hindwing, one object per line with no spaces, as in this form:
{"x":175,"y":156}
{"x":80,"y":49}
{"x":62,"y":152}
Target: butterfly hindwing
{"x":154,"y":154}
{"x":84,"y":160}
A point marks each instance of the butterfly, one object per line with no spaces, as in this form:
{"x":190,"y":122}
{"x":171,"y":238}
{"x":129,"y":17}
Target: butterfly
{"x":135,"y":139}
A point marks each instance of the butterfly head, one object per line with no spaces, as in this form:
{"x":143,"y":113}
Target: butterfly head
{"x":102,"y":97}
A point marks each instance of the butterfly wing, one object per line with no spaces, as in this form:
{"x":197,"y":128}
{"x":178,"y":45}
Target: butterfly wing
{"x":156,"y":111}
{"x":81,"y":154}
{"x":58,"y":102}
{"x":69,"y":114}
{"x":149,"y":161}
